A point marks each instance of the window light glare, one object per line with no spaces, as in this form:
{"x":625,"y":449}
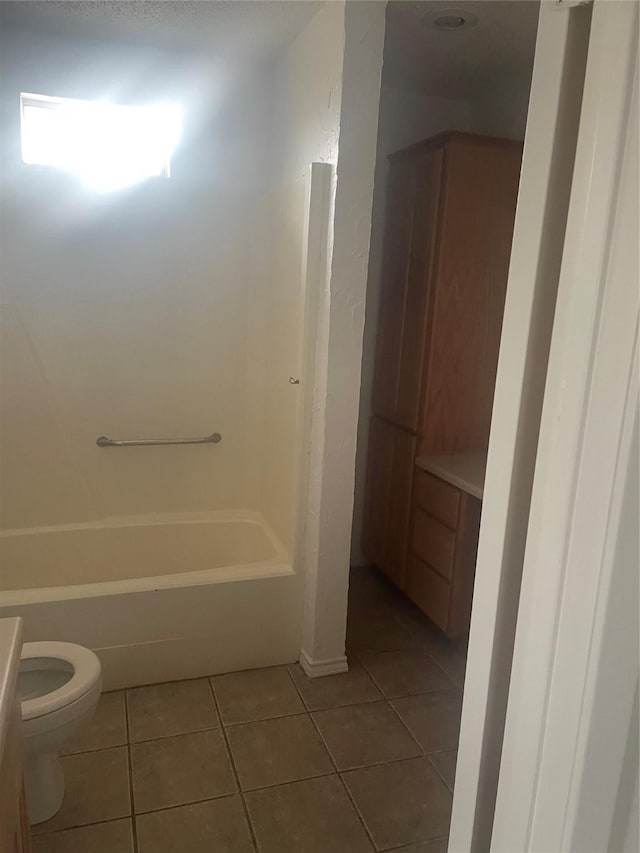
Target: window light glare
{"x":110,"y":146}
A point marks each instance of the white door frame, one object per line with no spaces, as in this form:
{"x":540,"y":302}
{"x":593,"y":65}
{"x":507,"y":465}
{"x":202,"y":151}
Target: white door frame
{"x":545,"y":186}
{"x":552,"y":765}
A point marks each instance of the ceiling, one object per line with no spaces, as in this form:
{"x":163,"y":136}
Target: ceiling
{"x":245,"y":29}
{"x":459,"y":63}
{"x":455,"y":64}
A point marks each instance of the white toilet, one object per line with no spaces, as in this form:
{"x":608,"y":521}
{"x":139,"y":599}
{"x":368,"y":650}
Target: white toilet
{"x":59,"y":685}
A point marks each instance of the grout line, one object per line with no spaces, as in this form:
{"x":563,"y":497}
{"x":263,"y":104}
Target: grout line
{"x":206,"y":676}
{"x":254,"y":839}
{"x":134,"y":828}
{"x":411,"y":734}
{"x":440,"y":774}
{"x":35,"y":833}
{"x":450,"y":678}
{"x":290,"y":782}
{"x":315,"y":726}
{"x":92,"y":749}
{"x":322,"y":710}
{"x":342,"y":782}
{"x":452,"y":689}
{"x":337,"y":707}
{"x":265,"y":719}
{"x":411,"y":845}
{"x":189,"y":803}
{"x":295,"y":687}
{"x":176,"y":734}
{"x":354,"y":805}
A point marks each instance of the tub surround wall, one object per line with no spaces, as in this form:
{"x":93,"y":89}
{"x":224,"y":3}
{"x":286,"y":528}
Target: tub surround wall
{"x":126,"y":313}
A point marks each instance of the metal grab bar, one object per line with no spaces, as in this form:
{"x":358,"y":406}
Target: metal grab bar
{"x":103,"y":441}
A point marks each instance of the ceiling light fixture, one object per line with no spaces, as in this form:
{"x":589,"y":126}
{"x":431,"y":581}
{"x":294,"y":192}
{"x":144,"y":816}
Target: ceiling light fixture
{"x":451,"y":20}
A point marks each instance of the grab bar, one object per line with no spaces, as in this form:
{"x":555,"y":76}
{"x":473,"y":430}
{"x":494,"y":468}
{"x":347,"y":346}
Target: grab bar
{"x":103,"y":441}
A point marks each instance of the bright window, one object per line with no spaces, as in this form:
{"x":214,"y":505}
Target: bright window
{"x":108,"y":145}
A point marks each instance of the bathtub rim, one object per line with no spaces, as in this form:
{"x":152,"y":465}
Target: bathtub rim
{"x":99,"y":589}
{"x":277,"y":565}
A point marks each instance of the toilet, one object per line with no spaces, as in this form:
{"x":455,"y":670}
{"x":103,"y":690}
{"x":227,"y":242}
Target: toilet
{"x":59,"y":685}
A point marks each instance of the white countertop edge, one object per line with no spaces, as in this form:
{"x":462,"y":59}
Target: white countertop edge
{"x":10,"y":651}
{"x":464,"y":470}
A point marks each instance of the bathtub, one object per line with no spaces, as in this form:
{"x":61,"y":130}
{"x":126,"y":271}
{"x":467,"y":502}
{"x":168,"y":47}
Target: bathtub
{"x":157,"y":598}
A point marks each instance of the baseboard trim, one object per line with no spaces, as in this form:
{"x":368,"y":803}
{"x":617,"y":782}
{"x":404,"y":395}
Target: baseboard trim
{"x":318,"y":668}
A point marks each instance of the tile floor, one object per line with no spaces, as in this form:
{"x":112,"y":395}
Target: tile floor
{"x":270,"y":761}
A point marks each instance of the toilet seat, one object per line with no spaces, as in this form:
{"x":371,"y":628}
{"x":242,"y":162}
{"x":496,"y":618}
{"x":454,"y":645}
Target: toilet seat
{"x":86,"y":672}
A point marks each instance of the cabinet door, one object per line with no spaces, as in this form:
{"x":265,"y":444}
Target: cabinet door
{"x":470,"y":279}
{"x":387,"y":509}
{"x":410,"y":231}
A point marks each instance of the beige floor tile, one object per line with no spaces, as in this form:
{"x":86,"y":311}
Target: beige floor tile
{"x":182,"y":769}
{"x":96,"y":789}
{"x":257,"y":694}
{"x":271,"y":752}
{"x":107,"y":727}
{"x":115,"y":836}
{"x":215,"y":826}
{"x":175,"y":708}
{"x":368,"y":594}
{"x":427,"y":635}
{"x":333,"y":691}
{"x":452,"y":657}
{"x":433,"y":719}
{"x":315,"y":816}
{"x":359,"y":735}
{"x":377,"y":632}
{"x":403,"y":673}
{"x":401,"y":803}
{"x":445,"y":764}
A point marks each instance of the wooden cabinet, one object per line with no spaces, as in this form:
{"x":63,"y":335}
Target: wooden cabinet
{"x":470,"y":279}
{"x":440,"y":570}
{"x":388,"y":504}
{"x":449,"y":222}
{"x":411,"y":228}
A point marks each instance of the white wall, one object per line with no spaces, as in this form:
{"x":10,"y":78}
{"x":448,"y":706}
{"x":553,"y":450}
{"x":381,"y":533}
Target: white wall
{"x":306,"y":123}
{"x":404,"y":118}
{"x":126,"y":313}
{"x":339,"y":347}
{"x":502,"y":110}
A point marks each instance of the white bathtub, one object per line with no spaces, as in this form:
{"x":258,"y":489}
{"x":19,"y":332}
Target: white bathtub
{"x":157,"y":598}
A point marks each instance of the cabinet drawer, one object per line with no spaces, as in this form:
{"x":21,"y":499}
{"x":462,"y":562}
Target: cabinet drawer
{"x":433,"y":542}
{"x":438,"y":498}
{"x":429,"y":591}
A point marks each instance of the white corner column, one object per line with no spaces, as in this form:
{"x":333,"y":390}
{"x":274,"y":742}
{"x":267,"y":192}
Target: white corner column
{"x":326,"y":530}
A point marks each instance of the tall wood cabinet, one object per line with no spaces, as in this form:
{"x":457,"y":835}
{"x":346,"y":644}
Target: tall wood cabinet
{"x":448,"y":229}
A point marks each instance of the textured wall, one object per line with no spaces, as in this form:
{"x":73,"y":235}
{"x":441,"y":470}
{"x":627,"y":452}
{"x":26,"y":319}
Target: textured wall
{"x":126,"y":313}
{"x":339,"y":345}
{"x":502,"y":110}
{"x":306,"y":112}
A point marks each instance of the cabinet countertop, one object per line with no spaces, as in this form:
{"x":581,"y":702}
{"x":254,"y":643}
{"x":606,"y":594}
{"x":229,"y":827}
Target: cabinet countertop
{"x":463,"y":470}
